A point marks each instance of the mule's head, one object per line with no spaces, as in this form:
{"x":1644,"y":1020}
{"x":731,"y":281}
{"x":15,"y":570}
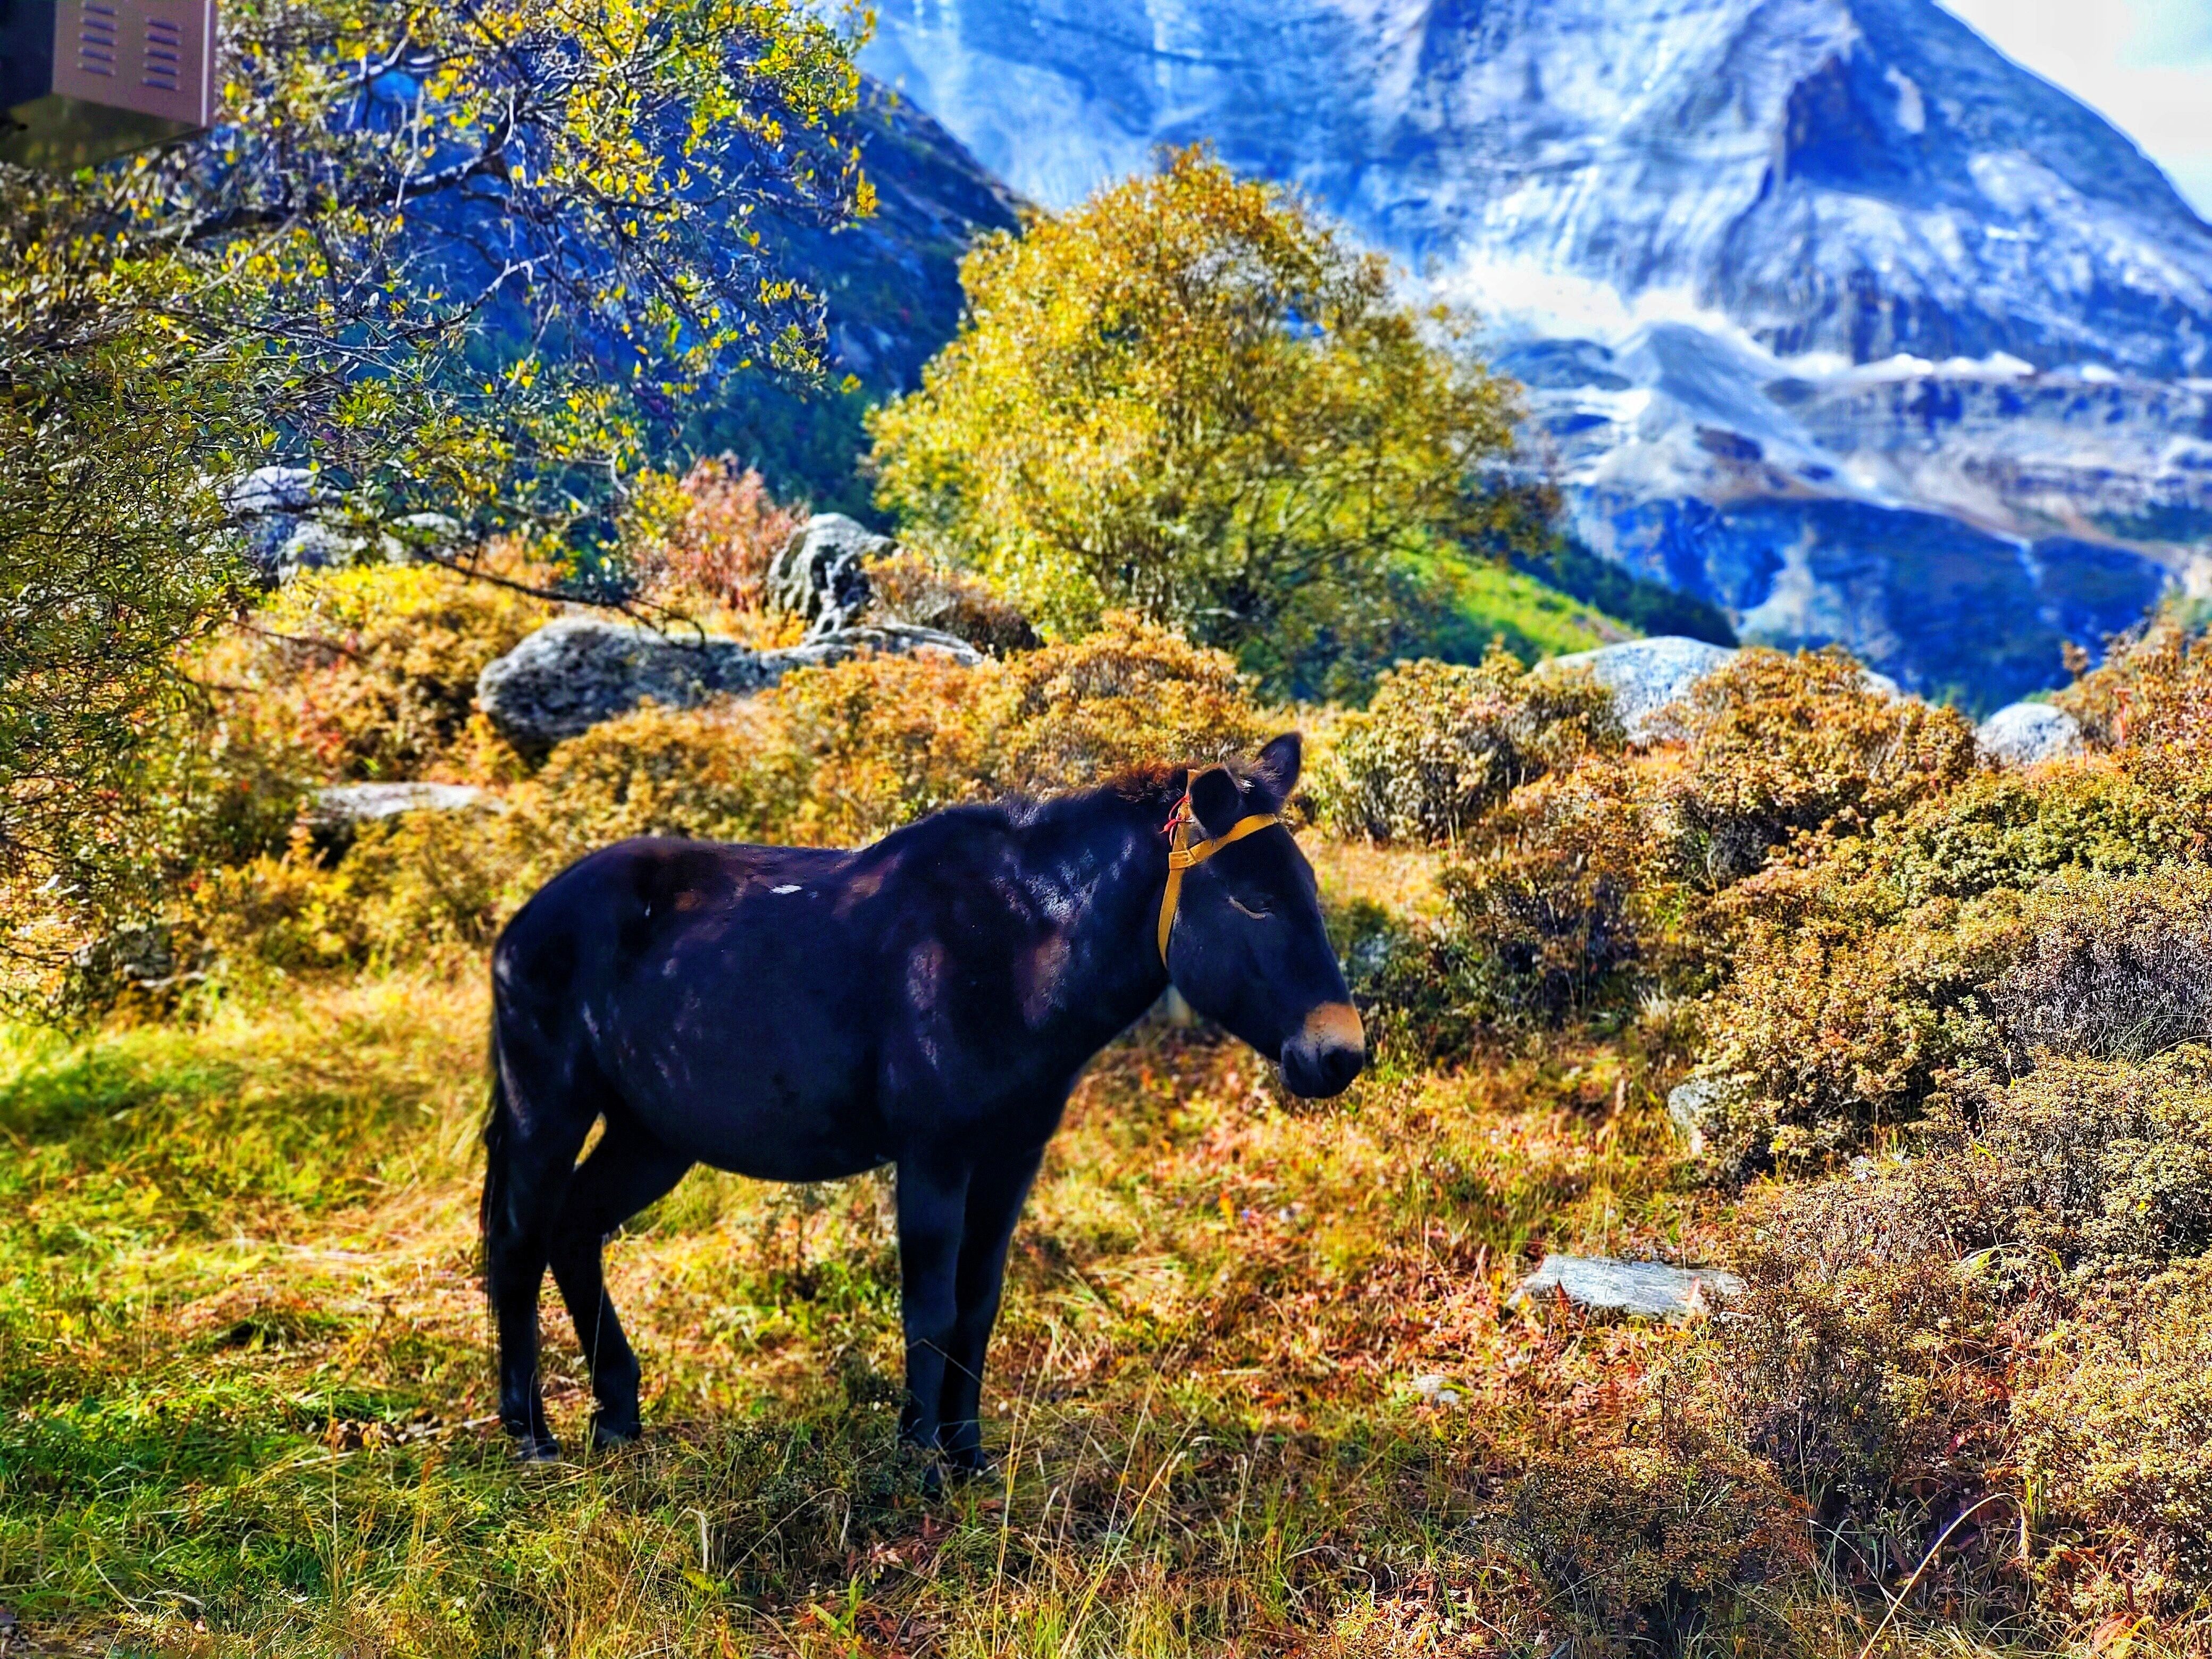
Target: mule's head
{"x":1248,"y":948}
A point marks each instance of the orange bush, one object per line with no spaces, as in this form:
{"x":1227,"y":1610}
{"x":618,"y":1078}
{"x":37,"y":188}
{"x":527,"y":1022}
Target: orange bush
{"x":726,"y":529}
{"x":2153,"y":694}
{"x":1778,"y":745}
{"x":1442,"y":743}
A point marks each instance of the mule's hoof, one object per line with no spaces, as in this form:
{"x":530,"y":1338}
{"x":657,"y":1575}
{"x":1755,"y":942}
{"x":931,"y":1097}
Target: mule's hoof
{"x":609,"y":1433}
{"x":928,"y":1462}
{"x":961,"y":1467}
{"x":538,"y":1448}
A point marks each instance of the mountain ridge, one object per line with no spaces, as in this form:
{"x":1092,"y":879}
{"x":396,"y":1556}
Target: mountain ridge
{"x":1832,"y":315}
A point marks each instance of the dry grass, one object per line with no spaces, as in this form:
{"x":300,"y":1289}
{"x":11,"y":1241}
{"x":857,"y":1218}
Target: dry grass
{"x":246,"y":1370}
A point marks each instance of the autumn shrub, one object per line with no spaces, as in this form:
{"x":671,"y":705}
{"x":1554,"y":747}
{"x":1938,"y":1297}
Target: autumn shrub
{"x":1633,"y":1548}
{"x":2021,"y":1312}
{"x":2058,"y":912}
{"x":407,"y":887}
{"x":2114,"y":1436}
{"x":2003,"y":829}
{"x":2090,"y":1166}
{"x":882,"y":741}
{"x":1547,"y":913}
{"x":725,"y":772}
{"x":1131,"y":694}
{"x":724,"y":529}
{"x":2155,"y":693}
{"x":1775,"y":746}
{"x":371,"y":672}
{"x":908,"y":586}
{"x":1442,"y":743}
{"x":2111,"y":969}
{"x":1859,"y":1363}
{"x":1830,"y":1031}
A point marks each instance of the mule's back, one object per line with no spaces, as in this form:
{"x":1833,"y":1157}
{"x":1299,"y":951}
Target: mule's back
{"x":716,"y":993}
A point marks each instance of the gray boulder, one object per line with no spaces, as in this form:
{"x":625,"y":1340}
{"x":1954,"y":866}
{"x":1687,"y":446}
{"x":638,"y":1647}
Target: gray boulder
{"x":2028,"y":732}
{"x":1640,"y":1289}
{"x":290,"y":522}
{"x":347,"y":804}
{"x":268,"y":508}
{"x":881,"y":639}
{"x":578,"y":670}
{"x":821,"y":575}
{"x":1644,"y":676}
{"x":317,"y":544}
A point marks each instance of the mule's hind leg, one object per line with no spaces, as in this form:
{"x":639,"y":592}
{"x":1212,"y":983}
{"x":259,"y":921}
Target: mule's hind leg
{"x":995,"y":1191}
{"x":530,"y":1155}
{"x":626,"y":1171}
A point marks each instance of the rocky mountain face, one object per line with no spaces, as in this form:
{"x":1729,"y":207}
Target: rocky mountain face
{"x":891,"y":283}
{"x":1831,"y":314}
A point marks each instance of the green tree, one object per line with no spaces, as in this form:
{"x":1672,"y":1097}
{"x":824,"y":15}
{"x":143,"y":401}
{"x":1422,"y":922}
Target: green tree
{"x":454,"y":256}
{"x":1189,"y":398}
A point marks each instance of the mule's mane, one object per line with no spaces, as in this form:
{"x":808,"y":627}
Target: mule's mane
{"x":1155,"y":786}
{"x":1156,"y":779}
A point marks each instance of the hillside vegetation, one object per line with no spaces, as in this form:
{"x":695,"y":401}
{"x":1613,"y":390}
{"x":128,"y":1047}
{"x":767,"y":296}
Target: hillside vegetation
{"x":1262,"y":1384}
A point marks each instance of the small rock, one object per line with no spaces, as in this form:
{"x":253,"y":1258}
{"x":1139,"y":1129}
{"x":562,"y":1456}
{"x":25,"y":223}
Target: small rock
{"x":1644,"y":676}
{"x":1689,"y":1107}
{"x":1436,"y":1390}
{"x":576,"y":671}
{"x":361,"y":803}
{"x":1644,"y":1290}
{"x":2026,"y":734}
{"x":821,"y":575}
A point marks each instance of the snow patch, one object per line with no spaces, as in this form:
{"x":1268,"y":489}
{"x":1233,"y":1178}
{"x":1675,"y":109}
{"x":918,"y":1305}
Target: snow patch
{"x":1911,"y":108}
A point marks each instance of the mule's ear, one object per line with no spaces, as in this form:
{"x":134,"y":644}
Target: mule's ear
{"x":1216,"y":801}
{"x":1277,"y":771}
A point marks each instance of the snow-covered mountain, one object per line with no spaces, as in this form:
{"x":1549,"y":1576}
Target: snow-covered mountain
{"x":1831,"y":313}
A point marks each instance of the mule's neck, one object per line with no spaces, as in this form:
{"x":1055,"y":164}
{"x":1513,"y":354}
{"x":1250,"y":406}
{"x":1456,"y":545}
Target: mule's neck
{"x":1102,"y":856}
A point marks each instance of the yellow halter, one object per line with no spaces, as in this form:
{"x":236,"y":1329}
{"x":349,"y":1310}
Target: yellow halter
{"x":1183,"y":853}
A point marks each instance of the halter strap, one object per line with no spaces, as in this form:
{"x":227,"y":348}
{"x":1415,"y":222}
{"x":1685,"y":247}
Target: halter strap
{"x":1183,"y":853}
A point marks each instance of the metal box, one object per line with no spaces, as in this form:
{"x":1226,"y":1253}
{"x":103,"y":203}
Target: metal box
{"x":81,"y":81}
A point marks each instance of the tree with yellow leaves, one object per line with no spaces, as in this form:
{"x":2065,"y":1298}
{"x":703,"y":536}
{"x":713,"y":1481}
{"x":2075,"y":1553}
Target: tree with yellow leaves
{"x":1189,"y":398}
{"x":443,"y":257}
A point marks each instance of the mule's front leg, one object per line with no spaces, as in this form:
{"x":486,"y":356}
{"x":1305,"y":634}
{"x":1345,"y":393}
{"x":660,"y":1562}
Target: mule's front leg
{"x":996,"y":1193}
{"x":932,"y":1200}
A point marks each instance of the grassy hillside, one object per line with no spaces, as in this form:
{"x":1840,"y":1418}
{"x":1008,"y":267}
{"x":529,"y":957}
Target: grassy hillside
{"x":1262,"y":1384}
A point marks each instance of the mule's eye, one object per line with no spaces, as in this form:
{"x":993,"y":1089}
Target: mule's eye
{"x":1259,"y":913}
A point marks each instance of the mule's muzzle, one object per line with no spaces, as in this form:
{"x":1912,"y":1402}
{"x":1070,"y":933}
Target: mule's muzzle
{"x":1328,"y":1051}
